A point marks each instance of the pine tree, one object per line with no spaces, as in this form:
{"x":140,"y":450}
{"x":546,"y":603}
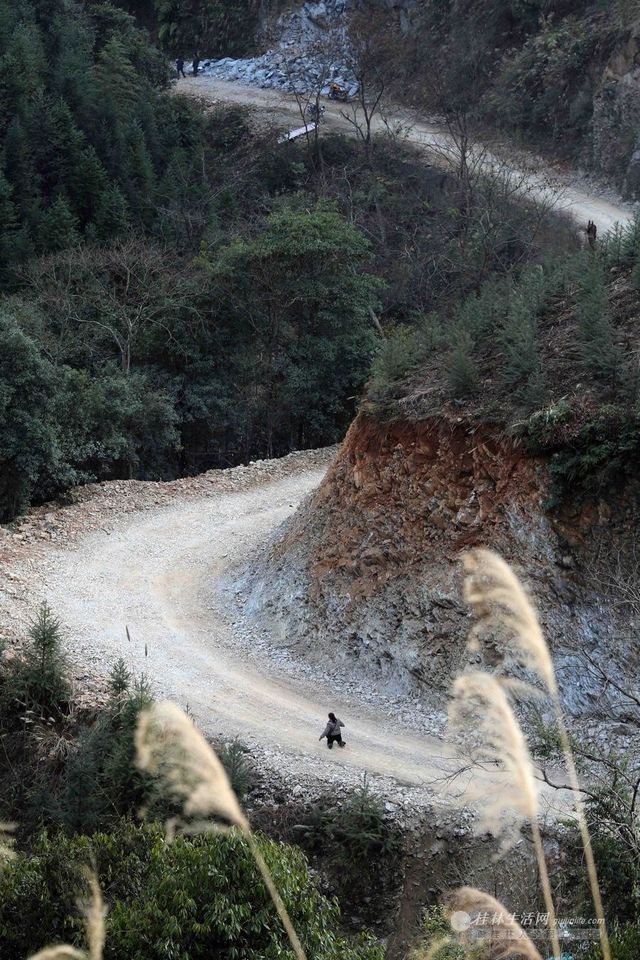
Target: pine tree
{"x":86,"y":185}
{"x":462,"y":373}
{"x":120,"y":678}
{"x":42,"y":682}
{"x":140,"y":175}
{"x":522,"y":368}
{"x":8,"y":224}
{"x":599,"y":351}
{"x":58,"y":227}
{"x":111,"y":219}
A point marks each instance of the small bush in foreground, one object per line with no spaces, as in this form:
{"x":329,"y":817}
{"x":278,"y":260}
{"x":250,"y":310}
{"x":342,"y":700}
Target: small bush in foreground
{"x":192,"y":898}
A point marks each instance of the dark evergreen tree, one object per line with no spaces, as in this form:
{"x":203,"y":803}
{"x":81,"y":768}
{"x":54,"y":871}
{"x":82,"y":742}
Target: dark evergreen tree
{"x":58,"y":227}
{"x":41,"y":683}
{"x":111,"y":218}
{"x":597,"y":341}
{"x":462,"y":373}
{"x":31,"y":461}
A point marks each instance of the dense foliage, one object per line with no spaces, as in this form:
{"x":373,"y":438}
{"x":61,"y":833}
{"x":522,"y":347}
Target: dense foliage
{"x":535,"y":68}
{"x":193,"y":898}
{"x":547,"y":354}
{"x":85,"y":134}
{"x":206,"y":28}
{"x":183,"y":293}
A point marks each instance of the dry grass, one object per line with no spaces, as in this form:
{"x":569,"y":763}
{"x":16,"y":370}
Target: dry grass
{"x":95,"y":914}
{"x":481,"y":712}
{"x":499,"y":600}
{"x":6,"y":842}
{"x":62,"y":952}
{"x":168,"y":745}
{"x":505,"y":937}
{"x":481,"y":705}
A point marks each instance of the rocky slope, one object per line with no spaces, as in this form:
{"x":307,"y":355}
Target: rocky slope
{"x":307,"y":48}
{"x":366,"y":578}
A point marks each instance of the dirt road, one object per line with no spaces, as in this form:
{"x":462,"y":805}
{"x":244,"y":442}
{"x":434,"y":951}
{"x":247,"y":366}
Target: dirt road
{"x":157,"y":573}
{"x":569,"y":193}
{"x":164,"y":571}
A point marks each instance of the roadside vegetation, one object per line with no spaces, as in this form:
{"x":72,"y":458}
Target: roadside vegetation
{"x":546,"y":73}
{"x":179,"y":885}
{"x":181,"y":292}
{"x":547,"y":354}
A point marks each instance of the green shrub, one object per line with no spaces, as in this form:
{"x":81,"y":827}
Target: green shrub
{"x":462,"y":373}
{"x":403,"y":350}
{"x":625,"y":943}
{"x":38,"y":684}
{"x":234,"y":759}
{"x":600,"y":456}
{"x":395,"y":358}
{"x":542,"y":88}
{"x":522,"y":368}
{"x":597,"y":342}
{"x":101,"y":780}
{"x":436,"y":929}
{"x":191,"y":899}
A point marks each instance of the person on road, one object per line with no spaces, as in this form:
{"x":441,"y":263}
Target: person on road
{"x":195,"y":66}
{"x":332,"y":732}
{"x":180,"y":67}
{"x":592,"y":233}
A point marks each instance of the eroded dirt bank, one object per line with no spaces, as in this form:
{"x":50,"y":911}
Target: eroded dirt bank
{"x":376,"y":555}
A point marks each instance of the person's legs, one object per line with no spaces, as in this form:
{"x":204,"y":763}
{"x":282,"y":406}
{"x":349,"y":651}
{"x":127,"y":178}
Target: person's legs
{"x":341,"y":742}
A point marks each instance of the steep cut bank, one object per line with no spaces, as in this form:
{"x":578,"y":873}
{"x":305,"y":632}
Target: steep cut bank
{"x":365,"y":577}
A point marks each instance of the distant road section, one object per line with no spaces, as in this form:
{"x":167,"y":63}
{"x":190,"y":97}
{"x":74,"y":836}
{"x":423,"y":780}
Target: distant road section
{"x":568,"y":191}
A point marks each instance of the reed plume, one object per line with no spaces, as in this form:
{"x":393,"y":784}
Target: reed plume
{"x":94,"y":913}
{"x":6,"y":842}
{"x":169,"y":746}
{"x":481,"y":705}
{"x":505,"y":938}
{"x":61,"y":952}
{"x":499,"y":599}
{"x":433,"y":950}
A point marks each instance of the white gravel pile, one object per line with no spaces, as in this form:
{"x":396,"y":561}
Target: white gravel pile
{"x":310,"y":53}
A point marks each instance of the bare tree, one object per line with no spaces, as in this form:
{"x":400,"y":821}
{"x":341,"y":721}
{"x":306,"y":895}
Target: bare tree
{"x":121,"y":293}
{"x":368,"y":61}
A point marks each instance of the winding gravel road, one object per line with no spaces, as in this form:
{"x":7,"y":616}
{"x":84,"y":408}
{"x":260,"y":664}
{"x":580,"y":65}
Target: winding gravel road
{"x":164,"y":573}
{"x":530,"y":178}
{"x":156,"y":573}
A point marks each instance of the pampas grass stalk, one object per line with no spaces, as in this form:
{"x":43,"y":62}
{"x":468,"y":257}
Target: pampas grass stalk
{"x":169,"y":746}
{"x":433,"y":950}
{"x":94,"y":919}
{"x":6,"y":842}
{"x":512,"y":940}
{"x":498,"y":598}
{"x":95,"y":914}
{"x":61,"y":952}
{"x":481,"y":704}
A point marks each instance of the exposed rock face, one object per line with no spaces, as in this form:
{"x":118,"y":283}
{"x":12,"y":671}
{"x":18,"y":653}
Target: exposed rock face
{"x":366,"y":577}
{"x":308,"y":49}
{"x":616,"y":118}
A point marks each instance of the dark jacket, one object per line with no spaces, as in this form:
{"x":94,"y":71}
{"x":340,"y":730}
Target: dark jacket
{"x":332,"y":728}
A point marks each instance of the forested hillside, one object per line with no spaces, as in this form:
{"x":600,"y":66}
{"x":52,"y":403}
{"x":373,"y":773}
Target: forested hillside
{"x":123,"y":355}
{"x":560,"y":75}
{"x":181,"y":291}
